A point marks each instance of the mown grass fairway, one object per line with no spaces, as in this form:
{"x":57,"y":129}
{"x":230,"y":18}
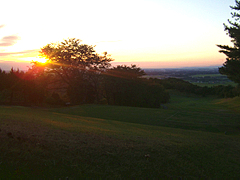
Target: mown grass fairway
{"x":215,"y":84}
{"x":208,"y":75}
{"x":192,"y":138}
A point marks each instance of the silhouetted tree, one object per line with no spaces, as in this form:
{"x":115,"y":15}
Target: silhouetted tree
{"x":23,"y":88}
{"x":124,"y":86}
{"x":35,"y":82}
{"x":79,"y":66}
{"x":127,"y":72}
{"x":231,"y":67}
{"x":3,"y":80}
{"x":88,"y":78}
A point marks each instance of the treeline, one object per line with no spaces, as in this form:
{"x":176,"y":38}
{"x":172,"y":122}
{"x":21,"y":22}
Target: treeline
{"x":220,"y":91}
{"x":20,"y":88}
{"x":124,"y":86}
{"x":121,"y":85}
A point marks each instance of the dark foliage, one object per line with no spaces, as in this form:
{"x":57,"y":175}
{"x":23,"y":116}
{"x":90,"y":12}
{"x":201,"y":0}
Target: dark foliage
{"x":231,"y":67}
{"x":76,"y":74}
{"x":187,"y":87}
{"x":124,"y":86}
{"x":79,"y":68}
{"x":18,"y":87}
{"x":88,"y":78}
{"x":225,"y":91}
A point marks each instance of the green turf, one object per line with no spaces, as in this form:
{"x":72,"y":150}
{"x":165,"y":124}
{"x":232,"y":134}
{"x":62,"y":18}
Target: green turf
{"x":208,"y":75}
{"x":230,"y":103}
{"x":194,"y":138}
{"x":215,"y":84}
{"x":192,"y":112}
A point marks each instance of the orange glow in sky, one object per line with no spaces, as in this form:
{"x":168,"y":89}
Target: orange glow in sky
{"x":149,"y":33}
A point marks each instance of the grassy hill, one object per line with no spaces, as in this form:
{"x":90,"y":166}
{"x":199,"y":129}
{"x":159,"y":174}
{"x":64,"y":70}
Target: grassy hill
{"x":191,"y":137}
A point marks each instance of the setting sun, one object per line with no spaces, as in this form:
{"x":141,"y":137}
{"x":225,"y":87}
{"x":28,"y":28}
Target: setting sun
{"x":40,"y":60}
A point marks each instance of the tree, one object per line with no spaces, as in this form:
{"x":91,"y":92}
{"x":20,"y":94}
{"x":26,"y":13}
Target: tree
{"x":231,"y":67}
{"x":78,"y":66}
{"x":125,"y":86}
{"x":127,"y":72}
{"x":119,"y":84}
{"x":88,"y":78}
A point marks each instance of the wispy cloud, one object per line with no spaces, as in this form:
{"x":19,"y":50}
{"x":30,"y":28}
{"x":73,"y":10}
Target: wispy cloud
{"x":19,"y":53}
{"x":1,"y":26}
{"x":9,"y":40}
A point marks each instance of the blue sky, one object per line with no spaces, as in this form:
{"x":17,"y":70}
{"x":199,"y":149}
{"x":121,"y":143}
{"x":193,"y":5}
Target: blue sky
{"x":149,"y":33}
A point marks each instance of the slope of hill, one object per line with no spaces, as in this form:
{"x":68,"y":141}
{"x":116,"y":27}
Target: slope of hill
{"x":231,"y":103}
{"x":190,"y":138}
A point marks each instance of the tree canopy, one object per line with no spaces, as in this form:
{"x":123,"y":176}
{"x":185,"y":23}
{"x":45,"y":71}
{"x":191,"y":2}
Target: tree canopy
{"x":89,"y":78}
{"x":231,"y":67}
{"x":77,"y":66}
{"x":71,"y":59}
{"x":124,"y":86}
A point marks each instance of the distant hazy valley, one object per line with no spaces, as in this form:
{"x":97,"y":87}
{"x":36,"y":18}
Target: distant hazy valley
{"x":201,"y":76}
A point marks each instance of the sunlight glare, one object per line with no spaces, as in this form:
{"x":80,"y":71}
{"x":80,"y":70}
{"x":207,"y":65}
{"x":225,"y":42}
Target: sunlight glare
{"x":39,"y":59}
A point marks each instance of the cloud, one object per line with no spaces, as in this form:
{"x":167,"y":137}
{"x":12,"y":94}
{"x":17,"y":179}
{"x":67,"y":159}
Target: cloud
{"x":17,"y":59}
{"x":19,"y":53}
{"x":1,"y":26}
{"x":9,"y":40}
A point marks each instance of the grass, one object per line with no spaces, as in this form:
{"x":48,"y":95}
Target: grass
{"x":208,"y":75}
{"x":193,"y":138}
{"x":215,"y":84}
{"x":231,"y":103}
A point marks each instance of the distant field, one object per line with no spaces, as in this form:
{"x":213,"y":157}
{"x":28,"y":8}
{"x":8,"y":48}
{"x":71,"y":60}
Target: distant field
{"x":210,"y":75}
{"x":215,"y":84}
{"x":154,"y":76}
{"x":191,"y":138}
{"x":208,"y":80}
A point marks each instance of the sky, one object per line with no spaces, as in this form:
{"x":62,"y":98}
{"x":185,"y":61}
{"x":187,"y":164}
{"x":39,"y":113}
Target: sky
{"x":148,"y":33}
